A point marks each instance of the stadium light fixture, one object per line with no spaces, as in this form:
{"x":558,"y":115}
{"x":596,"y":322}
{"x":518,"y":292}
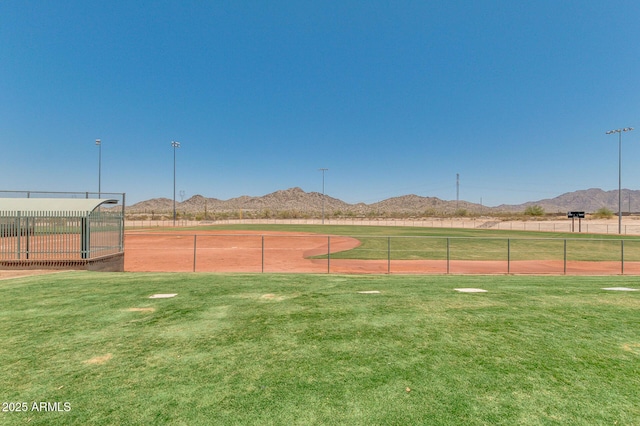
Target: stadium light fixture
{"x":619,"y":132}
{"x":323,"y":197}
{"x":175,"y":145}
{"x":99,"y":143}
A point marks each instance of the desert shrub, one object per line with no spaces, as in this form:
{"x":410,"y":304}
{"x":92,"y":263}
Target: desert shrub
{"x":603,"y":213}
{"x":137,"y":217}
{"x":289,"y":214}
{"x":534,"y":211}
{"x":430,"y":213}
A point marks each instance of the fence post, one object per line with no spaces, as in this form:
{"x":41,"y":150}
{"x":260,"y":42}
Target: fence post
{"x":328,"y":254}
{"x":565,"y":256}
{"x":85,"y":243}
{"x":18,"y":234}
{"x":26,"y":233}
{"x":195,"y":236}
{"x":622,"y":257}
{"x":508,"y":255}
{"x":388,"y":255}
{"x":263,"y":254}
{"x":448,"y":254}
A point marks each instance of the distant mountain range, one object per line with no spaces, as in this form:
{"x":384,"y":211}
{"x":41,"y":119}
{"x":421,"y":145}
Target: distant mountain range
{"x":297,"y":201}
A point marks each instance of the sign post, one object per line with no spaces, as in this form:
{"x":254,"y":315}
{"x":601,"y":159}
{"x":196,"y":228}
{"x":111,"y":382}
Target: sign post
{"x":572,"y":216}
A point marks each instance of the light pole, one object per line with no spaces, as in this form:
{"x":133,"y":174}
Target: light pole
{"x":323,"y":170}
{"x":175,"y":145}
{"x":619,"y":132}
{"x":457,"y":190}
{"x":99,"y":143}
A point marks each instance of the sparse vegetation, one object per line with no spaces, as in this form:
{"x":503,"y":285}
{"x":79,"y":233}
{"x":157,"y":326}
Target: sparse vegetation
{"x":535,"y":210}
{"x":603,"y":213}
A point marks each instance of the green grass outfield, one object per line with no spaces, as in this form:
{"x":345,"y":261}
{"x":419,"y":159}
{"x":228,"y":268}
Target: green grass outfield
{"x":249,"y":349}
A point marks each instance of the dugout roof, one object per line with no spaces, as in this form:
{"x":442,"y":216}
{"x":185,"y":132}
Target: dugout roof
{"x":31,"y":205}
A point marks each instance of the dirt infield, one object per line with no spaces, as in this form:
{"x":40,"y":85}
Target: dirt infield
{"x":242,"y":251}
{"x":246,"y":251}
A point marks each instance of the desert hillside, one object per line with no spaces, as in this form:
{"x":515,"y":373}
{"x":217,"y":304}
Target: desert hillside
{"x":296,"y":202}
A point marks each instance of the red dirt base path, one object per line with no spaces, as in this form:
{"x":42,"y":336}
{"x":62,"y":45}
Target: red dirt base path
{"x":261,"y":251}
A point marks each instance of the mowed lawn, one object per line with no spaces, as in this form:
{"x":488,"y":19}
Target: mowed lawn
{"x":241,"y":349}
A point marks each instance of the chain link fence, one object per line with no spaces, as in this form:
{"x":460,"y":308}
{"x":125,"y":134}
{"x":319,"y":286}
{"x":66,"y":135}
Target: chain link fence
{"x":586,"y":226}
{"x":275,"y":253}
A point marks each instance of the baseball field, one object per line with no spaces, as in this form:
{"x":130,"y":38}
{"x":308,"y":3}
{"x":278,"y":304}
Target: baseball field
{"x":378,"y":250}
{"x":326,"y":348}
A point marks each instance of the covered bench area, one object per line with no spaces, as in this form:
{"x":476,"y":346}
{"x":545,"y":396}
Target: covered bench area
{"x":62,"y":233}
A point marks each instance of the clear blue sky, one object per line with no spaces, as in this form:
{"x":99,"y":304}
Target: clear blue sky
{"x":393,"y":98}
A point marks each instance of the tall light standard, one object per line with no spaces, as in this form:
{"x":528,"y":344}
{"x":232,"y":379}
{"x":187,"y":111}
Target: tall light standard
{"x":323,"y":170}
{"x":457,"y":190}
{"x":175,"y":145}
{"x":619,"y":132}
{"x":99,"y":143}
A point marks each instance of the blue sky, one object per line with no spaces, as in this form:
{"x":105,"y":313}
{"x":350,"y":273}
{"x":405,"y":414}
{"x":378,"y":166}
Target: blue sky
{"x":393,"y":98}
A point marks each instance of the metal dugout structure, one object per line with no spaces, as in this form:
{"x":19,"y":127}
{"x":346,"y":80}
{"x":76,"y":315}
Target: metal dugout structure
{"x":62,"y":233}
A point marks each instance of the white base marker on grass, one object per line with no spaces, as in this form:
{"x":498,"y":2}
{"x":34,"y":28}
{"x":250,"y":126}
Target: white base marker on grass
{"x":470,"y":290}
{"x":163,"y":295}
{"x":620,"y":289}
{"x":369,"y":292}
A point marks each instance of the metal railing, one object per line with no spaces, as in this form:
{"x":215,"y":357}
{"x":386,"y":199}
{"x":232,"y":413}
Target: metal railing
{"x":56,"y":235}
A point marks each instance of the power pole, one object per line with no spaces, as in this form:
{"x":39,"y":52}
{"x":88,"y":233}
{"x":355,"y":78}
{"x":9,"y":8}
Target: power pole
{"x":619,"y":132}
{"x":457,"y":189}
{"x":323,"y":197}
{"x":175,"y":145}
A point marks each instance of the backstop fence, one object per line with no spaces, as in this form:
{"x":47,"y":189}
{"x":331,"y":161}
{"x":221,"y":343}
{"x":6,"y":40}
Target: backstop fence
{"x":180,"y":252}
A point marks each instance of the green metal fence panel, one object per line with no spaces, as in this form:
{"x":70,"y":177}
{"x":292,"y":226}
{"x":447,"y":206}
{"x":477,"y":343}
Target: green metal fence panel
{"x":60,"y":235}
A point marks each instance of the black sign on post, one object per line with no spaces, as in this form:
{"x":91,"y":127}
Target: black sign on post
{"x":572,"y":216}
